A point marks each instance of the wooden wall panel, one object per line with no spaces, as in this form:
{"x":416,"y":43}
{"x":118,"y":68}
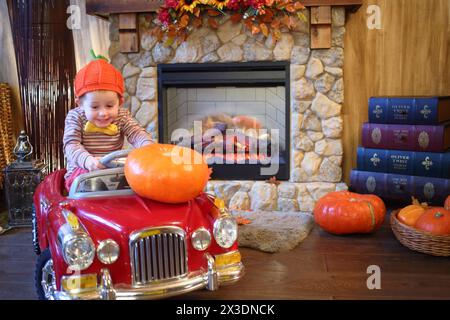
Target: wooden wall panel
{"x":410,"y":55}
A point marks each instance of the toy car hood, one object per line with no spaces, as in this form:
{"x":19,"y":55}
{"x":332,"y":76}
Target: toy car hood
{"x":130,"y":213}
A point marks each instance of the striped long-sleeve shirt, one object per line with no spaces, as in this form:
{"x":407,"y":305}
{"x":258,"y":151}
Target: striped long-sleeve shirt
{"x":79,"y":145}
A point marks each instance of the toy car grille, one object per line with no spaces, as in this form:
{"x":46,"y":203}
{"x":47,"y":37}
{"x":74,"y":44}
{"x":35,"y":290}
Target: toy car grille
{"x":158,"y":257}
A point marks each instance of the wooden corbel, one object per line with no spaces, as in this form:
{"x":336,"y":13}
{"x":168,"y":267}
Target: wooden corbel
{"x":128,"y":33}
{"x":321,"y":27}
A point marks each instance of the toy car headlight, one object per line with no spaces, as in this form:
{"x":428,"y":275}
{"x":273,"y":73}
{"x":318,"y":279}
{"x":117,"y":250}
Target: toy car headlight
{"x":201,"y":239}
{"x":78,"y":251}
{"x":225,"y":231}
{"x":108,"y":251}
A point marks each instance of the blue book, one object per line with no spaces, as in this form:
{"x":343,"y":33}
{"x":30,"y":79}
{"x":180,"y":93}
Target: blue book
{"x":409,"y":110}
{"x":400,"y":187}
{"x":427,"y":164}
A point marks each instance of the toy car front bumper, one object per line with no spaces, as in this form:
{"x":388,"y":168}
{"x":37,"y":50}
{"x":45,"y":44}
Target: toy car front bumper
{"x":210,"y":279}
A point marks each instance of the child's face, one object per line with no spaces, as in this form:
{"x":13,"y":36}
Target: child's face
{"x":101,"y":107}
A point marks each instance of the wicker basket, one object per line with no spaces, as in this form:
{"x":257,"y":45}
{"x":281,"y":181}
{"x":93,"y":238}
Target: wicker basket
{"x":418,"y":240}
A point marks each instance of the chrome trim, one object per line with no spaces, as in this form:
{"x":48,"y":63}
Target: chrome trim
{"x":195,"y":234}
{"x":100,"y":194}
{"x":107,"y":291}
{"x":35,"y":231}
{"x":48,"y":280}
{"x":45,"y":204}
{"x":212,"y":283}
{"x":163,"y":289}
{"x":157,"y":254}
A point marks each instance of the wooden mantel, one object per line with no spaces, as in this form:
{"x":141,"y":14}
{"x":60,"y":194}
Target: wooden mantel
{"x":320,"y":21}
{"x":105,"y":7}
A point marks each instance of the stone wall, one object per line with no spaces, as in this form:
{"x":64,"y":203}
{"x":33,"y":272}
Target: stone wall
{"x":317,"y":94}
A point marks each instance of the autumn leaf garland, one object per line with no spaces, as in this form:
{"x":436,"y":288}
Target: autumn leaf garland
{"x":177,"y":18}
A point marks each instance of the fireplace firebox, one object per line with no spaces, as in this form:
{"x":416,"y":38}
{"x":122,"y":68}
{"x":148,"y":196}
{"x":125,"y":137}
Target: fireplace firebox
{"x":236,"y":114}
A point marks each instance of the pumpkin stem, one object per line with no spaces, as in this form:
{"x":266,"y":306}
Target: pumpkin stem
{"x":438,"y":214}
{"x":417,"y":203}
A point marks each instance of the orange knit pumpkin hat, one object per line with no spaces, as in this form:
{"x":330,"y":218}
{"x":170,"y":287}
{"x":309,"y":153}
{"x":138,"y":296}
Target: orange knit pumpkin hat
{"x":98,"y":75}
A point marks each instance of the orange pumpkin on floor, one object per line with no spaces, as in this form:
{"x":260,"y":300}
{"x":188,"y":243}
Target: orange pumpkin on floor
{"x":344,"y":212}
{"x":436,"y":221}
{"x":410,"y":214}
{"x":447,"y":203}
{"x":166,"y":173}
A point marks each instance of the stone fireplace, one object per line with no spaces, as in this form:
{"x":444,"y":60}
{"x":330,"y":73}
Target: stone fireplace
{"x":312,"y":123}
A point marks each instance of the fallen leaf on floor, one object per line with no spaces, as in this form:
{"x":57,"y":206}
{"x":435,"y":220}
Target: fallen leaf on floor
{"x":240,"y":220}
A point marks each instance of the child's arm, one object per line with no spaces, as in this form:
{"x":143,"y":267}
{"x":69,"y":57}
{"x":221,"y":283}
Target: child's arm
{"x":72,"y":146}
{"x":135,"y":134}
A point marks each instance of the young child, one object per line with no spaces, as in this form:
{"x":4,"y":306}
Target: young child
{"x":98,"y":125}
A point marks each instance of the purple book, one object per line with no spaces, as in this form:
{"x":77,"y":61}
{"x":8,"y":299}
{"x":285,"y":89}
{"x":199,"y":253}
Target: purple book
{"x":400,"y":187}
{"x":406,"y":137}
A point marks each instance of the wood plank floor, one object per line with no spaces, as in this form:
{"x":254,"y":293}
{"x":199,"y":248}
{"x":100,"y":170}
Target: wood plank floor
{"x":321,"y":267}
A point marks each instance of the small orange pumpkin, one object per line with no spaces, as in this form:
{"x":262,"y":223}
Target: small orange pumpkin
{"x":409,"y":214}
{"x":166,"y":172}
{"x":447,"y":203}
{"x":435,"y":220}
{"x":343,"y":212}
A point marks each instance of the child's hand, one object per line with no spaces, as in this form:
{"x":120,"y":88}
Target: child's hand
{"x":93,"y":164}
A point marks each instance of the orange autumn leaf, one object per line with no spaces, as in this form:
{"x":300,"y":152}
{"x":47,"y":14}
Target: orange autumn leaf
{"x":213,"y":13}
{"x":242,"y":221}
{"x":285,"y":20}
{"x":268,"y":16}
{"x":255,"y":29}
{"x":235,"y":18}
{"x":197,"y":12}
{"x":172,"y":34}
{"x":248,"y":24}
{"x":184,"y":21}
{"x":292,"y":22}
{"x":197,"y":22}
{"x":264,"y":29}
{"x":290,"y":8}
{"x":275,"y":24}
{"x":298,"y":6}
{"x":213,"y":23}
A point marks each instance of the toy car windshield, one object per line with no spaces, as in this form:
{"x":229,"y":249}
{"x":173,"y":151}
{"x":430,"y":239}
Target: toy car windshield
{"x":100,"y":183}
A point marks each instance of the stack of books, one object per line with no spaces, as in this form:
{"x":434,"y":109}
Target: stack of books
{"x":405,"y":149}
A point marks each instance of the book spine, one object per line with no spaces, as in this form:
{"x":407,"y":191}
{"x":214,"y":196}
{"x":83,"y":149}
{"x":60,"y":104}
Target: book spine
{"x":404,"y":110}
{"x":428,"y":164}
{"x":400,"y":187}
{"x":403,"y":137}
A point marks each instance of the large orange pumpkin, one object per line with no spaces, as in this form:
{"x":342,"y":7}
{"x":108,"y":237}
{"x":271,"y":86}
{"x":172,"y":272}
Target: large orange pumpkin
{"x":435,"y":220}
{"x":447,"y":203}
{"x":344,"y":212}
{"x":166,"y":172}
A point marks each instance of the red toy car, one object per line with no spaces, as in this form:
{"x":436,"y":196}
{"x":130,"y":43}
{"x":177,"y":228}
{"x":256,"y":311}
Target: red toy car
{"x":102,"y":241}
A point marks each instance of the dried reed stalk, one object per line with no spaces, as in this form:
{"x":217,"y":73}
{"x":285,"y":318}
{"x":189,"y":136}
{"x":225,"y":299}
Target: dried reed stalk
{"x":46,"y":65}
{"x":6,"y":129}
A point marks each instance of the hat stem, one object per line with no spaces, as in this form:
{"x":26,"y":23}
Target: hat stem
{"x":96,"y":57}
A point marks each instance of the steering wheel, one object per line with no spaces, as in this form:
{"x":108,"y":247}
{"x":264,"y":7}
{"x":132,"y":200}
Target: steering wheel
{"x":110,"y":160}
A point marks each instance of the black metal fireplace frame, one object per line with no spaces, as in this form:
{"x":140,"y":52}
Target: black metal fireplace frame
{"x":250,"y":74}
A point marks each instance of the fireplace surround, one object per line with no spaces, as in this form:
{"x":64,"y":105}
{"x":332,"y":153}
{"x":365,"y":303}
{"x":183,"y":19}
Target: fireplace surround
{"x":316,"y":97}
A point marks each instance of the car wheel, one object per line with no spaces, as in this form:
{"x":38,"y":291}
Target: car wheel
{"x":44,"y":276}
{"x":35,"y":230}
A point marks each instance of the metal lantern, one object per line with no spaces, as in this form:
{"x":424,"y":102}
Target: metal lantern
{"x":21,"y":179}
